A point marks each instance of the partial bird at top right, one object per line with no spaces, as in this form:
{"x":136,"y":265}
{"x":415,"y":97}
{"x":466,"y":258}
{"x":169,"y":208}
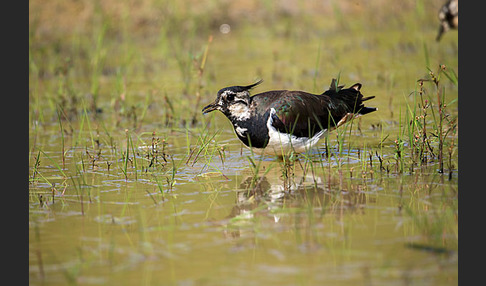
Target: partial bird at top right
{"x":449,"y":17}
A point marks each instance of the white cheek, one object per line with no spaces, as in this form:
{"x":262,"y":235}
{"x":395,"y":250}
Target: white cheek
{"x":240,"y":111}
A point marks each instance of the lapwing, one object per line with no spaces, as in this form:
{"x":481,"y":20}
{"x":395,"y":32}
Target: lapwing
{"x":449,"y":17}
{"x":280,"y":121}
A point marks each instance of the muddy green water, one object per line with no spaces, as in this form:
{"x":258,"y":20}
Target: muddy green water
{"x":190,"y":218}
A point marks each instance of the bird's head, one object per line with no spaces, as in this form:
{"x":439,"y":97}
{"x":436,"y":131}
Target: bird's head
{"x":232,"y":101}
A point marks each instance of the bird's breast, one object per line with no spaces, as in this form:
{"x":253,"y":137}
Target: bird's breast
{"x":252,"y":132}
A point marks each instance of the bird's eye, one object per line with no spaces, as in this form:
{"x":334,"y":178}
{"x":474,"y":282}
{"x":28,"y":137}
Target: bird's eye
{"x":230,"y":97}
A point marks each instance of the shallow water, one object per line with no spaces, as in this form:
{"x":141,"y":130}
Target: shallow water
{"x":381,"y":228}
{"x":203,"y":210}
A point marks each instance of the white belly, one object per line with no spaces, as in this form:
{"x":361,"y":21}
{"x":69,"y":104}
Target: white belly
{"x":282,"y":144}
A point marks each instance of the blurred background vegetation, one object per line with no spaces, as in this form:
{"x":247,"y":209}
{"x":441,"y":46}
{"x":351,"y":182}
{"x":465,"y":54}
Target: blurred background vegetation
{"x":115,"y":55}
{"x":121,"y":52}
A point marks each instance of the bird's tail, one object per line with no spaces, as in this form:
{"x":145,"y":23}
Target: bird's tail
{"x":351,"y":98}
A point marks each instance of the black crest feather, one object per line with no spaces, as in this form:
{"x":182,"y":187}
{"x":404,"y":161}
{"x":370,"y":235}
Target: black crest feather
{"x":247,"y":87}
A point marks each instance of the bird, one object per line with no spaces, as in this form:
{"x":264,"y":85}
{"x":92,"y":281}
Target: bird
{"x":449,"y":17}
{"x":278,"y":122}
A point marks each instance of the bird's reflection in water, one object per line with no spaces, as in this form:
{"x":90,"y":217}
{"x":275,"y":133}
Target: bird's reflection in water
{"x":272,"y":200}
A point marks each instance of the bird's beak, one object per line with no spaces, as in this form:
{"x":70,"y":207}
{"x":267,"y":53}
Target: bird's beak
{"x":213,"y":106}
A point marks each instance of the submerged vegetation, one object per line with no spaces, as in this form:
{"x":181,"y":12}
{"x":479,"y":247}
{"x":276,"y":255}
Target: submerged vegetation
{"x":118,"y":144}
